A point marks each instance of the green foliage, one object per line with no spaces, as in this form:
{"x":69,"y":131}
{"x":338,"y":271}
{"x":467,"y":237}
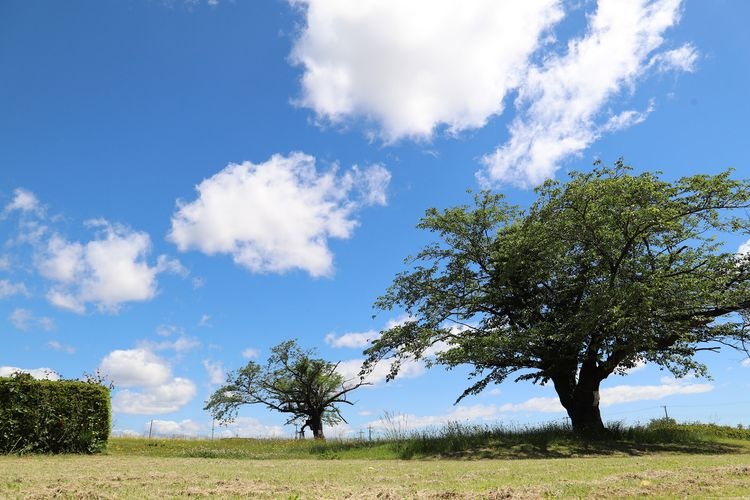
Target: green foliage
{"x":601,"y":273}
{"x":44,"y":416}
{"x":294,"y":382}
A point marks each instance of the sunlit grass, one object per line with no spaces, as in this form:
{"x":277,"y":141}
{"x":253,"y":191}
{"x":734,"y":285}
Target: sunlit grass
{"x":459,"y":441}
{"x":662,"y":459}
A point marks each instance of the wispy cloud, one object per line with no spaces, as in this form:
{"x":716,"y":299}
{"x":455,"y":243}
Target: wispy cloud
{"x":561,"y":102}
{"x":23,"y":201}
{"x":351,"y":340}
{"x":215,"y":371}
{"x":25,"y":320}
{"x":250,"y":353}
{"x":57,"y":346}
{"x":8,"y":289}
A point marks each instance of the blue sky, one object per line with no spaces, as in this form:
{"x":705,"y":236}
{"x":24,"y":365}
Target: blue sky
{"x":184,"y":184}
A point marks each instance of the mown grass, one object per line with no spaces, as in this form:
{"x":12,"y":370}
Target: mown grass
{"x":107,"y":476}
{"x":662,"y":459}
{"x":460,"y":442}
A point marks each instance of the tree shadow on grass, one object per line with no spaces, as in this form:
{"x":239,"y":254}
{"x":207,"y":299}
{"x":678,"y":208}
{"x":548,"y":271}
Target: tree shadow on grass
{"x":561,"y":449}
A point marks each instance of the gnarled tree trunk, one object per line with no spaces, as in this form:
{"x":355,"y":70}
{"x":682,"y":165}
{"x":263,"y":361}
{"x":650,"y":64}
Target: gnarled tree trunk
{"x":316,"y":425}
{"x":580,"y":398}
{"x":583,"y":410}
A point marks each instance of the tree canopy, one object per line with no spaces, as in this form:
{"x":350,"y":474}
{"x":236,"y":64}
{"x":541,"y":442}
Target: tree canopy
{"x":600,"y":273}
{"x":294,"y":382}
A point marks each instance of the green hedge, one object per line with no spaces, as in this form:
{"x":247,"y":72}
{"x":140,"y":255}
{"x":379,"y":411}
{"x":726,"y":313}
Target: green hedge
{"x":46,"y":416}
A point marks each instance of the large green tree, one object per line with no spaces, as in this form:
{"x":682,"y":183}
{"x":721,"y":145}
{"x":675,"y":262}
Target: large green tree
{"x":293,"y":381}
{"x":602,"y":272}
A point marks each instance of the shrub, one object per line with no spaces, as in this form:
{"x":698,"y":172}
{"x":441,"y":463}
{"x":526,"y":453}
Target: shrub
{"x":45,"y":416}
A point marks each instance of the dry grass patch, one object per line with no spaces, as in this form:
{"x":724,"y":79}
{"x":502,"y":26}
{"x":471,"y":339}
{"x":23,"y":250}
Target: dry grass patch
{"x":154,"y":477}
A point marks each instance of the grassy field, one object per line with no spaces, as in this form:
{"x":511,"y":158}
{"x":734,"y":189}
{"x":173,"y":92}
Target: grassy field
{"x":674,"y":461}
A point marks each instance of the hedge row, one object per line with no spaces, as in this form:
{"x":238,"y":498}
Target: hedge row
{"x":46,"y":416}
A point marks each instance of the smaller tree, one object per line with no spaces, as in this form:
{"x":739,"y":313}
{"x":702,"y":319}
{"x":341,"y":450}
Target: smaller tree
{"x":294,"y":382}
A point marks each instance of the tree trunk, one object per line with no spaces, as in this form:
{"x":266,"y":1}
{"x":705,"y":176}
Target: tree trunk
{"x":583,"y":410}
{"x":580,"y":398}
{"x":316,"y":424}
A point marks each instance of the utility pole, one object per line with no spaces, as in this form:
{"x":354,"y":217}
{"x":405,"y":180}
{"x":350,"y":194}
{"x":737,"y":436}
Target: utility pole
{"x":213,"y":423}
{"x":150,"y":428}
{"x":666,"y":415}
{"x":369,"y":432}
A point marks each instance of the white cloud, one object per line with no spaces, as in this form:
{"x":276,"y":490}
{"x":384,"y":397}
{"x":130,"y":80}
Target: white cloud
{"x":534,"y":405}
{"x":173,"y":428}
{"x":24,"y":320}
{"x":681,"y":59}
{"x":63,"y":261}
{"x":351,"y":340}
{"x":615,"y":395}
{"x":215,"y":370}
{"x":126,"y":433}
{"x":158,"y":392}
{"x":627,"y":119}
{"x":106,"y":271}
{"x":339,"y":431}
{"x":37,"y":373}
{"x":250,"y":428}
{"x":250,"y":353}
{"x":57,"y":346}
{"x":8,"y":289}
{"x":168,"y":330}
{"x":409,"y":369}
{"x":460,"y":413}
{"x":480,"y":412}
{"x":372,"y":184}
{"x":154,"y":400}
{"x":356,"y":340}
{"x":21,"y":318}
{"x":170,"y":265}
{"x":561,"y":102}
{"x":135,"y":367}
{"x":410,"y":68}
{"x":746,"y":362}
{"x":4,"y":263}
{"x":46,"y":323}
{"x":628,"y":393}
{"x":413,"y":66}
{"x":278,"y":215}
{"x":23,"y":201}
{"x":181,"y":344}
{"x":744,"y":249}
